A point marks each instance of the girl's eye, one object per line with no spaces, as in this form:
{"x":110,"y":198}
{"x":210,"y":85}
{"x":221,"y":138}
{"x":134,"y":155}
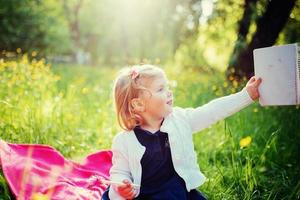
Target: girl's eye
{"x":161,"y":89}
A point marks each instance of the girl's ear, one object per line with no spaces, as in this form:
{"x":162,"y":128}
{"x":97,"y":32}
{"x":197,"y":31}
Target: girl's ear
{"x":138,"y":104}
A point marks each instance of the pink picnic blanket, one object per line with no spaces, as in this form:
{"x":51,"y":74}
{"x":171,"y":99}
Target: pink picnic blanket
{"x":34,"y":171}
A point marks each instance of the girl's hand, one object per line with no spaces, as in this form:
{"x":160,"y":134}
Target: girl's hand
{"x":252,"y":87}
{"x":126,"y":190}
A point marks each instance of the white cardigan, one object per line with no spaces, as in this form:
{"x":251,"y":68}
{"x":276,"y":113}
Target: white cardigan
{"x":180,"y":124}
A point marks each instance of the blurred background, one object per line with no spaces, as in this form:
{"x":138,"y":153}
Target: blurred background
{"x":195,"y":33}
{"x":58,"y":59}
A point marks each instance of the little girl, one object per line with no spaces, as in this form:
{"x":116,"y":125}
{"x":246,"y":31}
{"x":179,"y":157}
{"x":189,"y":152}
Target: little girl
{"x":155,"y":151}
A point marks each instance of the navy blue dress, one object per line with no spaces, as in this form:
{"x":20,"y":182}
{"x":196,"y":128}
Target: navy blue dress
{"x":159,"y":179}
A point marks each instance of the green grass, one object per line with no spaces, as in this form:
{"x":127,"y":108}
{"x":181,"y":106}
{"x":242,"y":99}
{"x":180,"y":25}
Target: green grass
{"x":70,"y":108}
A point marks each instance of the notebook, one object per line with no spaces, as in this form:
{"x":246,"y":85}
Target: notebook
{"x":279,"y":68}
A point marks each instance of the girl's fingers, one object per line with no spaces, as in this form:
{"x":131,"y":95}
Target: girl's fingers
{"x":128,"y":190}
{"x":128,"y":194}
{"x":125,"y":189}
{"x":125,"y":185}
{"x":257,"y":82}
{"x":252,"y":79}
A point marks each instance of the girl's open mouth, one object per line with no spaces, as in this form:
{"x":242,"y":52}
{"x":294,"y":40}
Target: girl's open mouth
{"x":170,"y":102}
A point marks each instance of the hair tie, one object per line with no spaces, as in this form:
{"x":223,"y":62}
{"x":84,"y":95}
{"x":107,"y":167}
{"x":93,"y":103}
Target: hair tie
{"x":134,"y":73}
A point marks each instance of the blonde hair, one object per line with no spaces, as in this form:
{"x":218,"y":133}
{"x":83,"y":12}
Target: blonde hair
{"x":128,"y":85}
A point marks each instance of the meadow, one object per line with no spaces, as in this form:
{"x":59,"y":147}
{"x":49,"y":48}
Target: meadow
{"x":253,"y":154}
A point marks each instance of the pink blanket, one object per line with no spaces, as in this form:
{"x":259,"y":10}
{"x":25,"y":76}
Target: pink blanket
{"x":33,"y":171}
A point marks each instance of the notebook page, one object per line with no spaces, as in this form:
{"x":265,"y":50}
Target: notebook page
{"x":277,"y":68}
{"x":298,"y":72}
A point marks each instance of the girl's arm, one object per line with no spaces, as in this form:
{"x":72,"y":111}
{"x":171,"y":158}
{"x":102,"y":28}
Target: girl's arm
{"x":220,"y":108}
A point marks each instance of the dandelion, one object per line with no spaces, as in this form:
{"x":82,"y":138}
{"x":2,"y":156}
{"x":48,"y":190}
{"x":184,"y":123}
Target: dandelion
{"x":218,"y":93}
{"x":33,"y":54}
{"x":84,"y":90}
{"x":19,"y":50}
{"x":246,"y":141}
{"x":235,"y":84}
{"x":40,"y":196}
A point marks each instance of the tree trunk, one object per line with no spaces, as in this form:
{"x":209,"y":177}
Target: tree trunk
{"x":268,"y":29}
{"x":243,"y":29}
{"x":72,"y":16}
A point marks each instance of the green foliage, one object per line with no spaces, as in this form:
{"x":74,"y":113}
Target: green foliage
{"x":32,"y":25}
{"x":115,"y":32}
{"x":4,"y":190}
{"x":38,"y":107}
{"x":291,"y":32}
{"x":190,"y":54}
{"x":215,"y":39}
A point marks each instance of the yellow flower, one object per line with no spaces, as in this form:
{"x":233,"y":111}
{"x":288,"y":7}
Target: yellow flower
{"x":235,"y":84}
{"x":255,"y":110}
{"x":19,"y":50}
{"x":39,"y":196}
{"x":34,"y":53}
{"x":246,"y":141}
{"x":218,"y":93}
{"x":84,"y":90}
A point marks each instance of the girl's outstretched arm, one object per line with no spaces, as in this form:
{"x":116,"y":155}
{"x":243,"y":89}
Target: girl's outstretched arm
{"x":220,"y":108}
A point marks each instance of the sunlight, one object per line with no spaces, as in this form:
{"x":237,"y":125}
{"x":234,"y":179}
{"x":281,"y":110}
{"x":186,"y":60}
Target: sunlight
{"x":207,"y":9}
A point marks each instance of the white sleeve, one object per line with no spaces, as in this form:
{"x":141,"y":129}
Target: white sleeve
{"x":120,"y":166}
{"x":217,"y":109}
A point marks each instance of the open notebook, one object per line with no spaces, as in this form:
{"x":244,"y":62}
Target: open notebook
{"x":279,"y":68}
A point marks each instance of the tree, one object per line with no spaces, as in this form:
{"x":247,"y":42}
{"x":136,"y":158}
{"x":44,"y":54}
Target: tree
{"x":31,"y":25}
{"x":72,"y":16}
{"x":268,"y":28}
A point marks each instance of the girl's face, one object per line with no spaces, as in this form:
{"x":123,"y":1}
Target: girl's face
{"x":159,"y":104}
